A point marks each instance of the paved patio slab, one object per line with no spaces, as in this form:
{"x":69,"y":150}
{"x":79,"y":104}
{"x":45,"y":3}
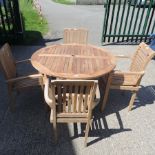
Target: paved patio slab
{"x":28,"y":131}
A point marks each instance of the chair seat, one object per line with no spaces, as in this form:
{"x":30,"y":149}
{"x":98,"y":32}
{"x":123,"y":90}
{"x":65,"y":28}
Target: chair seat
{"x":27,"y":82}
{"x":69,"y":117}
{"x":123,"y":79}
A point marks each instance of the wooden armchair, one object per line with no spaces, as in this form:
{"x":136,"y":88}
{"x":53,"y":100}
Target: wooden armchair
{"x":70,"y":101}
{"x":72,"y":35}
{"x":15,"y":83}
{"x":130,"y":80}
{"x":6,"y":47}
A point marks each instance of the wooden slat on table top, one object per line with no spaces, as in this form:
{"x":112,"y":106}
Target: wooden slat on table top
{"x":73,"y":61}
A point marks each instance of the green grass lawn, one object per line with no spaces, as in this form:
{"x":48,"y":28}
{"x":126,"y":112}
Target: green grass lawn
{"x":34,"y":26}
{"x":65,"y":1}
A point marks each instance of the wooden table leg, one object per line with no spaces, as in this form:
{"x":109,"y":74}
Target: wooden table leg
{"x":102,"y":82}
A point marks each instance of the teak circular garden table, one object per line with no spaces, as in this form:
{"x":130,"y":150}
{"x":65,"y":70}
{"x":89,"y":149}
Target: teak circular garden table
{"x":73,"y":61}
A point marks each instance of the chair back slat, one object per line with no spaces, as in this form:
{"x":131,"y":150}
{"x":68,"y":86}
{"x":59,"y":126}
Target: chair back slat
{"x":72,"y":35}
{"x":80,"y":99}
{"x":64,"y":99}
{"x":70,"y":98}
{"x":74,"y":96}
{"x":86,"y":98}
{"x":141,"y":58}
{"x":7,"y":62}
{"x":59,"y":97}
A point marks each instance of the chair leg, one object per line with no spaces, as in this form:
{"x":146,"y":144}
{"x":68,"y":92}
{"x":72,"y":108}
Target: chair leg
{"x":53,"y":113}
{"x":90,"y":123}
{"x":55,"y":132}
{"x":86,"y":133}
{"x":132,"y":100}
{"x":106,"y":93}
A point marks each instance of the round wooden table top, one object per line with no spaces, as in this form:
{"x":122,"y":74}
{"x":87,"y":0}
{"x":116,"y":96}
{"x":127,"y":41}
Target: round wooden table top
{"x":73,"y":61}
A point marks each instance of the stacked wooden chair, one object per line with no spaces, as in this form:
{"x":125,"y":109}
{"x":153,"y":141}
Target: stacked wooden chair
{"x":14,"y":82}
{"x":131,"y":79}
{"x":70,"y":101}
{"x":73,"y":35}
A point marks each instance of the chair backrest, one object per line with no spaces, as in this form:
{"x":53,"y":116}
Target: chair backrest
{"x":73,"y":96}
{"x":141,"y":58}
{"x":7,"y":62}
{"x":73,"y":35}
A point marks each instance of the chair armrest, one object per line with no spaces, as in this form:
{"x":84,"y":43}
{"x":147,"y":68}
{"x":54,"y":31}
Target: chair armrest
{"x":21,"y":61}
{"x":46,"y":92}
{"x":125,"y":78}
{"x":123,"y":56}
{"x":128,"y":73}
{"x":34,"y":76}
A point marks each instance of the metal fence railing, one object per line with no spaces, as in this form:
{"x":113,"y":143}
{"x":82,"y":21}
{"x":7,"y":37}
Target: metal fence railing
{"x":10,"y":20}
{"x":128,"y":21}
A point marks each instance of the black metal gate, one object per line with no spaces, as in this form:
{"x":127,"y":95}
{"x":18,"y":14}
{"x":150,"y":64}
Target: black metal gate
{"x":128,"y":21}
{"x":10,"y":21}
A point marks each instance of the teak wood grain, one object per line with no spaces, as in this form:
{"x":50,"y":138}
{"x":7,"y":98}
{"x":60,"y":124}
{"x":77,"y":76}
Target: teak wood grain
{"x":73,"y":61}
{"x":130,"y":80}
{"x":71,"y":101}
{"x":14,"y":82}
{"x":75,"y":35}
